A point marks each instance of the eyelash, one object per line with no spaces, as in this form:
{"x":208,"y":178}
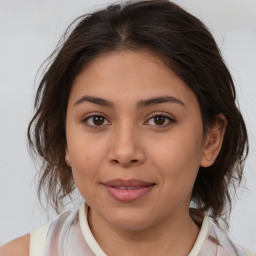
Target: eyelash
{"x":167,"y":117}
{"x":93,"y":115}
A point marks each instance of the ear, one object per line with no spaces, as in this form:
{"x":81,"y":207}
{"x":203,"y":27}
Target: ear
{"x":67,"y":158}
{"x":213,"y":141}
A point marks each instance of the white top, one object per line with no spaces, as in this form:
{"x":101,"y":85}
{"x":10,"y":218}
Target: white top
{"x":70,"y":235}
{"x":98,"y":251}
{"x":38,"y":240}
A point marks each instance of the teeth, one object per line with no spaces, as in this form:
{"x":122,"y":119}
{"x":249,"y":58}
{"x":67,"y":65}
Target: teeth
{"x":128,"y":188}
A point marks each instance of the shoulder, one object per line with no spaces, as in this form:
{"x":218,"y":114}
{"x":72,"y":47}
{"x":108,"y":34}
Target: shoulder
{"x":248,"y":253}
{"x":220,"y":237}
{"x":18,"y":246}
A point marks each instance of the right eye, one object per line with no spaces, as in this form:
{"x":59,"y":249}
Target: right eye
{"x":96,"y":121}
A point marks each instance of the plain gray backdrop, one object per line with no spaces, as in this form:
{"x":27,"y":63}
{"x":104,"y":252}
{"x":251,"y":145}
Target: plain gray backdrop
{"x":29,"y":31}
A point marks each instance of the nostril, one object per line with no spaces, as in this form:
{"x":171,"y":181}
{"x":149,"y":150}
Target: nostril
{"x":118,"y":162}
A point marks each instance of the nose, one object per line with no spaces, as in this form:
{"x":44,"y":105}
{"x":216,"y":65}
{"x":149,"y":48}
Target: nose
{"x":126,"y":147}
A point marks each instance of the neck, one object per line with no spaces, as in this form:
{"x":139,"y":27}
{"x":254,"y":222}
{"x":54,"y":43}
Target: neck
{"x":170,"y":237}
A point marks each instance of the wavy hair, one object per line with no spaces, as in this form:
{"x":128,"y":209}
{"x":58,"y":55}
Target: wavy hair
{"x":185,"y":44}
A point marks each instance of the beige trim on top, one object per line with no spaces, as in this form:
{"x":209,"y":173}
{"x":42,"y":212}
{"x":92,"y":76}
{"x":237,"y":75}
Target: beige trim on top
{"x":38,"y":240}
{"x":87,"y":234}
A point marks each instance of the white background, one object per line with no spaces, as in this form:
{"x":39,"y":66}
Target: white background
{"x":29,"y":31}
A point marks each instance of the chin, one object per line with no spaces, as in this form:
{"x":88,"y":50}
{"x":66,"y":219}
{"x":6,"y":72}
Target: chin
{"x":128,"y":225}
{"x":130,"y":221}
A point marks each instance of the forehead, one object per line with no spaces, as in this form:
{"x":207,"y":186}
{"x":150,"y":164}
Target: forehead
{"x":129,"y":76}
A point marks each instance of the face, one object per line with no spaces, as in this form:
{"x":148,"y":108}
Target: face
{"x":134,"y":139}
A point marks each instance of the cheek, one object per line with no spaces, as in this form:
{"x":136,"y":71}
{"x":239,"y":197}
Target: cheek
{"x":86,"y":159}
{"x":177,"y":160}
{"x":85,"y":150}
{"x":179,"y":149}
{"x":84,"y":168}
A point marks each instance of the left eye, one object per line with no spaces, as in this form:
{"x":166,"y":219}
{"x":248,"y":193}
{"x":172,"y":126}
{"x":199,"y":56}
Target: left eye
{"x":160,"y":120}
{"x":96,"y":120}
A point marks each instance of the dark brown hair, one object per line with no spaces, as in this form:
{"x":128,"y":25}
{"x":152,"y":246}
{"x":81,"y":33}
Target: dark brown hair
{"x":186,"y":46}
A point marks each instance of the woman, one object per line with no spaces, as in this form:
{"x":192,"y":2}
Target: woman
{"x":137,"y":110}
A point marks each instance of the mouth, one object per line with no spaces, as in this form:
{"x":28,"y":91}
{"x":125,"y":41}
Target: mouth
{"x":128,"y":190}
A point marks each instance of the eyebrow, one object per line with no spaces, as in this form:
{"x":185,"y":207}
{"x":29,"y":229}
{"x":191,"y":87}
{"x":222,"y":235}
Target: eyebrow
{"x":158,"y":100}
{"x":140,"y":104}
{"x":95,"y":100}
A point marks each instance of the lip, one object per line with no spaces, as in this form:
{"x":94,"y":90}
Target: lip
{"x":128,"y":190}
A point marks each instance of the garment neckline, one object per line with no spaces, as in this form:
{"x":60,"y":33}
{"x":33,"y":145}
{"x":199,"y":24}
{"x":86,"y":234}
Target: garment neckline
{"x":96,"y":249}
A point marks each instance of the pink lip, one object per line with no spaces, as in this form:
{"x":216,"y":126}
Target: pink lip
{"x":127,"y":190}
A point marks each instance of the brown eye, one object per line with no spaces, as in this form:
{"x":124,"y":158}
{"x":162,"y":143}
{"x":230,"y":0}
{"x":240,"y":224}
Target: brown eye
{"x":96,"y":120}
{"x":160,"y":120}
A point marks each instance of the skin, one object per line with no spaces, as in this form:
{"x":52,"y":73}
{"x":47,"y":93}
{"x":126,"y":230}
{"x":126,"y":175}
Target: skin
{"x":18,"y":246}
{"x":128,"y":143}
